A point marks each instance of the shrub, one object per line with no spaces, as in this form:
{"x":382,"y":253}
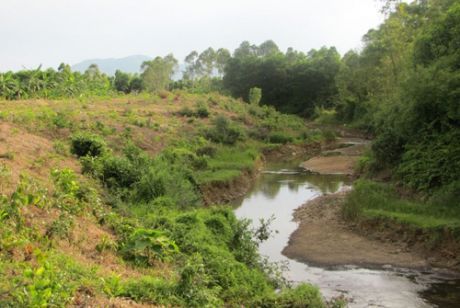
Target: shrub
{"x":194,"y":285}
{"x":280,"y":138}
{"x":304,"y":295}
{"x":66,"y":181}
{"x":224,"y":131}
{"x":150,"y":186}
{"x":325,"y":116}
{"x":255,"y":95}
{"x":119,"y":172}
{"x":186,"y":112}
{"x":202,"y":110}
{"x":146,"y":245}
{"x":388,"y":147}
{"x":206,"y":151}
{"x":85,"y":144}
{"x":61,"y":227}
{"x":60,"y":120}
{"x":431,"y":162}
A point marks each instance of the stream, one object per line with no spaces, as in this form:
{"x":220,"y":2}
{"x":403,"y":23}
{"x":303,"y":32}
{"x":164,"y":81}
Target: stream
{"x":282,"y":188}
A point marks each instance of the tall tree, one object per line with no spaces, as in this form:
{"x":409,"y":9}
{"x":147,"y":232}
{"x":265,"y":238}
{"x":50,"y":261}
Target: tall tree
{"x":156,"y":74}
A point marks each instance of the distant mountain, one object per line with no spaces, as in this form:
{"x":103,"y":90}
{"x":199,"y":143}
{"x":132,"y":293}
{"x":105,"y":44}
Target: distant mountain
{"x":131,"y":64}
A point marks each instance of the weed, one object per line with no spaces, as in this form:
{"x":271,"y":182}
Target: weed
{"x":145,"y":246}
{"x":60,"y":148}
{"x":61,"y":228}
{"x":202,"y":110}
{"x":106,"y":244}
{"x":224,"y":131}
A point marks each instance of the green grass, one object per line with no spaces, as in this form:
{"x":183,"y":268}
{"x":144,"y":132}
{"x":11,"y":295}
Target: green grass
{"x":377,"y":200}
{"x":143,"y":189}
{"x":423,"y":221}
{"x":227,"y":164}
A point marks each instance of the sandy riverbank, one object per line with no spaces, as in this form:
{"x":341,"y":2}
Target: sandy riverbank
{"x":323,"y":238}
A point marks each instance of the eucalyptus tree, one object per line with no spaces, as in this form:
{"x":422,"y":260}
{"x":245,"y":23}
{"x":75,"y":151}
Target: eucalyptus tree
{"x":156,"y":74}
{"x":191,"y":71}
{"x":222,"y":58}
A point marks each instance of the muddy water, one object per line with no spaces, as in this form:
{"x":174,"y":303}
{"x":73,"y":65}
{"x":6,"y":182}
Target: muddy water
{"x":283,"y":188}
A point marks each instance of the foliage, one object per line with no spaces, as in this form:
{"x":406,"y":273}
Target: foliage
{"x":145,"y":246}
{"x":255,"y":95}
{"x":27,"y":193}
{"x":370,"y":199}
{"x":156,"y":74}
{"x":303,"y":295}
{"x":54,"y":84}
{"x":86,"y":144}
{"x":127,"y":83}
{"x":403,"y":86}
{"x":224,"y":131}
{"x":61,"y":227}
{"x":279,"y":137}
{"x":292,"y":82}
{"x":42,"y":286}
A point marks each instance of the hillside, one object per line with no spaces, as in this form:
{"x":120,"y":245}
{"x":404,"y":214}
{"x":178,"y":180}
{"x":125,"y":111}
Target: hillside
{"x":103,"y":201}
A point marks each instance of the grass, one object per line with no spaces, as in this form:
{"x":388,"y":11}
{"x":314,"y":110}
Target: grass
{"x":132,"y":224}
{"x":227,"y":164}
{"x":377,"y":200}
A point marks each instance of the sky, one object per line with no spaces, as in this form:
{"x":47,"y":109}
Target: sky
{"x":48,"y":32}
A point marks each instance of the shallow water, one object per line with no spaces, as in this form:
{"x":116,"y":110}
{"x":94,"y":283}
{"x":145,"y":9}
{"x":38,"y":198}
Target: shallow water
{"x":280,"y":190}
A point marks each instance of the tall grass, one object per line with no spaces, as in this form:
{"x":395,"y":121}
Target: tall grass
{"x":371,"y":200}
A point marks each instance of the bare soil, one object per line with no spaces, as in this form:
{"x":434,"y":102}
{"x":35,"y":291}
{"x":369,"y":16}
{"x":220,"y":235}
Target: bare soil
{"x":323,"y":238}
{"x":330,"y":164}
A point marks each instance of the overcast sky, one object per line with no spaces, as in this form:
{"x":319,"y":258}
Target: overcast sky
{"x":49,"y":32}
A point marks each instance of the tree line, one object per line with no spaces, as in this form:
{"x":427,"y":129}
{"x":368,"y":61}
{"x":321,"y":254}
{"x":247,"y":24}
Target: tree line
{"x":293,"y":81}
{"x":404,"y":87}
{"x":401,"y":86}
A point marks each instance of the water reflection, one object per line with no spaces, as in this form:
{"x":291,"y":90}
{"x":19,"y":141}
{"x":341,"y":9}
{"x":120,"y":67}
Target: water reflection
{"x":279,"y":191}
{"x":272,"y":181}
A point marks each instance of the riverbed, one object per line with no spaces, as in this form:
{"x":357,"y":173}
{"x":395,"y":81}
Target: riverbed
{"x":281,"y":189}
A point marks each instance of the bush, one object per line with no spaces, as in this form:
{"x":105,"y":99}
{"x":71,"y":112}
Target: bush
{"x":388,"y":147}
{"x":85,"y":144}
{"x":186,"y":112}
{"x":255,"y":95}
{"x":325,"y":116}
{"x":194,"y":284}
{"x":119,"y":172}
{"x":209,"y":151}
{"x":225,"y":131}
{"x":146,"y":245}
{"x":432,"y":162}
{"x":150,"y":186}
{"x":304,"y":295}
{"x":202,"y":110}
{"x":280,"y":138}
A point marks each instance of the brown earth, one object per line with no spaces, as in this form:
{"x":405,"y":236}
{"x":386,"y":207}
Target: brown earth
{"x":338,"y":157}
{"x":330,"y":164}
{"x":323,"y":238}
{"x":25,"y":153}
